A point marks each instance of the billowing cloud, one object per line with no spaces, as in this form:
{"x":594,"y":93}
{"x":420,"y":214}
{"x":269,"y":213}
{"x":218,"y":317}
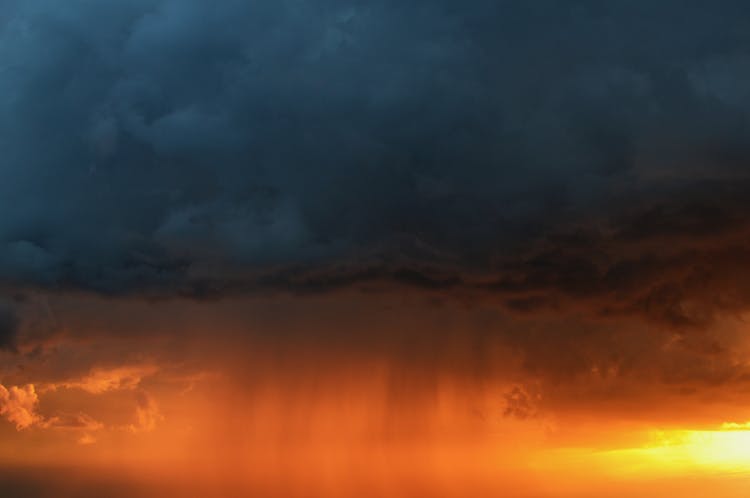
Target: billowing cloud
{"x":206,"y":151}
{"x":18,"y":405}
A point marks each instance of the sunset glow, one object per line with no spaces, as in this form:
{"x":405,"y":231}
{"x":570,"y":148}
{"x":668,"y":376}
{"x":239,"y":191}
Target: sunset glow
{"x":284,"y":418}
{"x":374,"y":249}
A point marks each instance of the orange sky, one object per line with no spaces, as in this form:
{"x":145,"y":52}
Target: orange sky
{"x":279,"y":395}
{"x":377,"y":249}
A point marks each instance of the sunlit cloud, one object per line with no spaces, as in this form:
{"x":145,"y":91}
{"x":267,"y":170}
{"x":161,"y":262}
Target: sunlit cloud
{"x":147,"y":414}
{"x":101,"y":380}
{"x":734,"y":426}
{"x":74,"y":422}
{"x":18,"y":405}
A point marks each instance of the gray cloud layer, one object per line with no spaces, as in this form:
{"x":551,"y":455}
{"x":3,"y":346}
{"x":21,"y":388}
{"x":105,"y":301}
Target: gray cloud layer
{"x":177,"y":146}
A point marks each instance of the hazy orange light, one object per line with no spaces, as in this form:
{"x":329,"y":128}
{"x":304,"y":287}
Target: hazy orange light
{"x":721,"y":450}
{"x":666,"y":453}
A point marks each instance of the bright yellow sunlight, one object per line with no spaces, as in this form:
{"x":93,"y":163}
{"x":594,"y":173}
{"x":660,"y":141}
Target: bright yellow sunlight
{"x":723,"y":451}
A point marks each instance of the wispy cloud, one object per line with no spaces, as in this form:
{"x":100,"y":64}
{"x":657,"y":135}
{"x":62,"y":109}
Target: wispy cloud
{"x":101,"y":380}
{"x":147,"y":414}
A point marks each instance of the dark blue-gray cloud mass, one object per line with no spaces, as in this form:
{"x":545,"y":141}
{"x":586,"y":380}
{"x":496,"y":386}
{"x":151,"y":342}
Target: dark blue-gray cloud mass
{"x":180,"y":146}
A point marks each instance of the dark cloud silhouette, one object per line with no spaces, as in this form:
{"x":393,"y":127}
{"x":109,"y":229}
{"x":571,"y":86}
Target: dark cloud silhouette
{"x":537,"y":152}
{"x":9,"y":323}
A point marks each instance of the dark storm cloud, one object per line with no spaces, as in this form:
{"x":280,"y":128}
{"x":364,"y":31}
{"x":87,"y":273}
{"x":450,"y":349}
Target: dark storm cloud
{"x":178,"y":147}
{"x":8,"y":326}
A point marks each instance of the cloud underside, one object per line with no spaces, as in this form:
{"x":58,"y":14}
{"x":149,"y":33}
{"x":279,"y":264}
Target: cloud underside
{"x":680,"y":267}
{"x":534,"y":154}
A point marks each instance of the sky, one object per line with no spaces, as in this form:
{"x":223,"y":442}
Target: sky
{"x":297,"y":248}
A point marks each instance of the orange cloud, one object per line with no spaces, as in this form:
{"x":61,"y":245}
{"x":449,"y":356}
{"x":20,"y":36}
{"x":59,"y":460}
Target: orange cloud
{"x":101,"y":380}
{"x":18,"y":405}
{"x":78,"y":421}
{"x":147,"y":414}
